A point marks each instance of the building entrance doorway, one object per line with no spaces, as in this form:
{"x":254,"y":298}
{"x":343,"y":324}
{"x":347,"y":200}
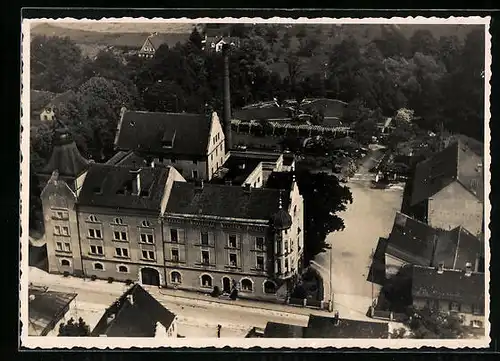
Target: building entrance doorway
{"x":226,"y":285}
{"x":150,"y":276}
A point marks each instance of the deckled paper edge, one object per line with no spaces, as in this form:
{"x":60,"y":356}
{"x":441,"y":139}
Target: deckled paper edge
{"x":126,"y":343}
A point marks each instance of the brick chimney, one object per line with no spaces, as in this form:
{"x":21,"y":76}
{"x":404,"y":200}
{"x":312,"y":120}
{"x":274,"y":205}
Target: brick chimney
{"x":227,"y":99}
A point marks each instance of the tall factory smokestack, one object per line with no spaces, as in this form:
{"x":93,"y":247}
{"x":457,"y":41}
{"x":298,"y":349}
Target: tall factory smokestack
{"x":227,"y":99}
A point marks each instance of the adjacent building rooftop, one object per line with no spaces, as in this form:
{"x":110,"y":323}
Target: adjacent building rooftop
{"x":449,"y":285}
{"x":164,"y":133}
{"x":455,"y":163}
{"x":416,"y":242}
{"x":135,"y":314}
{"x":46,"y":309}
{"x":328,"y":327}
{"x":124,"y":187}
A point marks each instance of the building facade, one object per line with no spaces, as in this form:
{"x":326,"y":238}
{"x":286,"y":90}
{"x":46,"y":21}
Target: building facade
{"x":448,"y":190}
{"x":147,"y":224}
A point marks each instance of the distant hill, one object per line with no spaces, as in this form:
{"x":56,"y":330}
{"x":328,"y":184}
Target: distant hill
{"x":112,"y":34}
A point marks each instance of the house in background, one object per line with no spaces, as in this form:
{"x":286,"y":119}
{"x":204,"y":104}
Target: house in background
{"x":328,"y":327}
{"x":46,"y":309}
{"x":448,"y":190}
{"x":44,"y":105}
{"x":455,"y":291}
{"x":212,"y":42}
{"x":155,"y":40}
{"x":412,"y":242}
{"x":191,"y":143}
{"x":136,"y":314}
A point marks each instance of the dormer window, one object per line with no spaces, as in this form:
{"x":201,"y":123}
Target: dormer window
{"x":168,"y":139}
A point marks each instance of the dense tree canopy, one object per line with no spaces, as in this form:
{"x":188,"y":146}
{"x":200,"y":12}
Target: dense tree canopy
{"x":324,"y":197}
{"x":74,"y":329}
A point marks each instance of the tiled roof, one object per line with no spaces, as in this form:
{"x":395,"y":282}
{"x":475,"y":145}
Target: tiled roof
{"x":325,"y":327}
{"x":451,"y":285}
{"x":144,"y":131}
{"x":104,"y":184}
{"x":65,"y":158}
{"x":45,"y":310}
{"x":134,"y":320}
{"x":171,"y":40}
{"x":224,"y":201}
{"x":455,"y":163}
{"x":418,"y":243}
{"x":39,"y":99}
{"x":283,"y":330}
{"x":458,"y":247}
{"x":127,"y":159}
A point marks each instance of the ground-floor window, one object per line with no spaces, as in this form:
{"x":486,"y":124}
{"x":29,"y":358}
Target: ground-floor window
{"x":98,"y":266}
{"x":123,"y":269}
{"x":246,"y":285}
{"x":206,"y":281}
{"x":269,"y":287}
{"x":175,"y":277}
{"x":65,"y":263}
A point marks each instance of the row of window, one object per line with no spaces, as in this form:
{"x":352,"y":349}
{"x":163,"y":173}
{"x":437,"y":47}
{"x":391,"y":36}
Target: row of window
{"x":122,"y":252}
{"x":206,"y":281}
{"x":93,"y":219}
{"x":232,"y":241}
{"x":96,"y":233}
{"x":205,"y":259}
{"x":98,"y":266}
{"x":457,"y":307}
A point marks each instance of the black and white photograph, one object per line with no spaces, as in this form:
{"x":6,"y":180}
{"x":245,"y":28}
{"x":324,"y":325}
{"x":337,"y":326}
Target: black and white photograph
{"x":255,"y":182}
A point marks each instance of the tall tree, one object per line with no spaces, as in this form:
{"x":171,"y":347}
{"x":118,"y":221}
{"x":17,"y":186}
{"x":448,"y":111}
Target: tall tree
{"x":55,"y":63}
{"x":72,"y":329}
{"x":324,"y":197}
{"x":196,"y":38}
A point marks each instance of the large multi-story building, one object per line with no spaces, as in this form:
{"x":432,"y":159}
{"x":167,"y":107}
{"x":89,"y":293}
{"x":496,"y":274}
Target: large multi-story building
{"x":140,"y":221}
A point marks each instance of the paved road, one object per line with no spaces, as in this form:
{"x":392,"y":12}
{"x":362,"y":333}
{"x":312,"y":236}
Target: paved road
{"x":369,"y":217}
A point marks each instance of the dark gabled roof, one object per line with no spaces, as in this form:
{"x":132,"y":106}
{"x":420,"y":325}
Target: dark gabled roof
{"x":411,"y":240}
{"x":325,"y":327}
{"x":451,"y":285}
{"x":103,"y":183}
{"x":171,"y":40}
{"x":65,"y":158}
{"x":418,"y":243}
{"x":455,"y":163}
{"x":224,"y":201}
{"x":45,"y":309}
{"x":144,"y":131}
{"x":458,"y":247}
{"x":39,"y":99}
{"x":283,"y":330}
{"x":134,"y":320}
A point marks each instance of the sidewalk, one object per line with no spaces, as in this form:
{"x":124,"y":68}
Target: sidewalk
{"x":38,"y":277}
